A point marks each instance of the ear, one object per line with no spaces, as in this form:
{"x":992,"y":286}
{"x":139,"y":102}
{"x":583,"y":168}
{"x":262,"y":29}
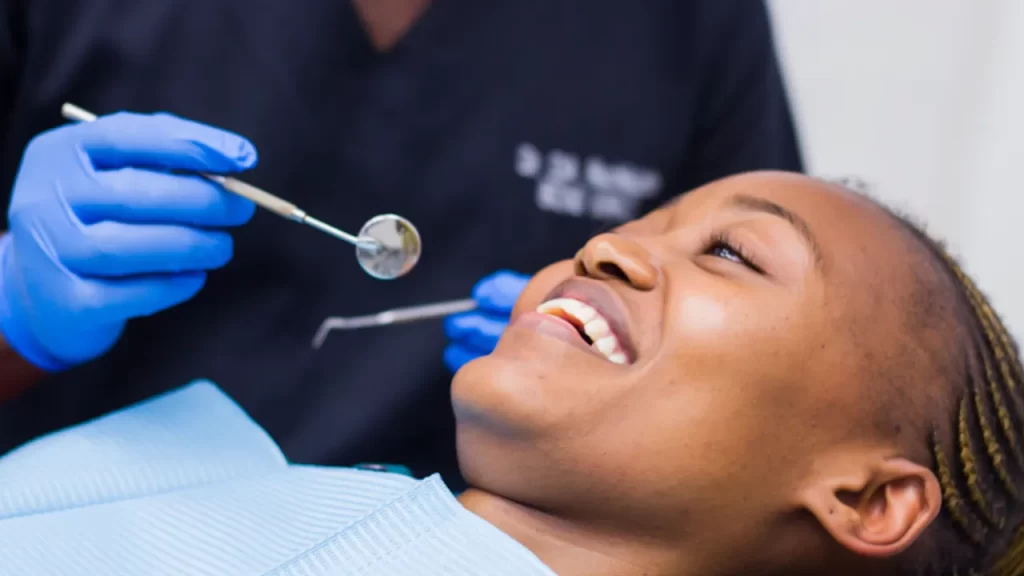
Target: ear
{"x":875,"y":509}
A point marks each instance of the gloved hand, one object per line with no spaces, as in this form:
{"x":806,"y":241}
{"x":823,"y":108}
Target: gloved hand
{"x":101,"y":231}
{"x":474,"y":334}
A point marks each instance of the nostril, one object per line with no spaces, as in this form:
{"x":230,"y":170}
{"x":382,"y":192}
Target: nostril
{"x":579,"y":267}
{"x":615,"y":257}
{"x":613,"y":271}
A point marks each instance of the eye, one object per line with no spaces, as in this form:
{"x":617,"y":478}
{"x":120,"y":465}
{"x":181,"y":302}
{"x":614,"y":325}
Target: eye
{"x":722,"y":250}
{"x":722,"y":247}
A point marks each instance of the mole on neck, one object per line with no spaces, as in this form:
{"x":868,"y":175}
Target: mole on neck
{"x":387,"y":21}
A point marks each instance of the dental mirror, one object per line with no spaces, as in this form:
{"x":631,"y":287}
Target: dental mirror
{"x":397,"y":248}
{"x":387,"y":247}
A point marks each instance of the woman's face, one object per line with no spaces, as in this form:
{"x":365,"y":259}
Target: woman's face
{"x":738,"y":325}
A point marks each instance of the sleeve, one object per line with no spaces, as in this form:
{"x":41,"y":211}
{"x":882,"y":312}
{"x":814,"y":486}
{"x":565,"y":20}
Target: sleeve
{"x":743,"y":118}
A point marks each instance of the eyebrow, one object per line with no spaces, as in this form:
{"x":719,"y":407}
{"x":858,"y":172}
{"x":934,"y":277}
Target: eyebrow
{"x":768,"y":207}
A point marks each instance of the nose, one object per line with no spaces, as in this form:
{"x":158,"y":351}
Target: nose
{"x":616,"y":257}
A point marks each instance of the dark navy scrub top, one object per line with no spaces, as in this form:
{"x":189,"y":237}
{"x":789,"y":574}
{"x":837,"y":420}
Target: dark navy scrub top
{"x":508,"y":131}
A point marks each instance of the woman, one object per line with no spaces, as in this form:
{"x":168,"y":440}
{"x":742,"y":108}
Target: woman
{"x":772,"y":375}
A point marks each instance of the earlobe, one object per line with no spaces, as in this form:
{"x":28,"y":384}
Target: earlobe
{"x":879,"y":511}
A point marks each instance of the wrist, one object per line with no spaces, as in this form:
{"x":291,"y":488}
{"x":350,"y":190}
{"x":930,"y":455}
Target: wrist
{"x":15,"y":332}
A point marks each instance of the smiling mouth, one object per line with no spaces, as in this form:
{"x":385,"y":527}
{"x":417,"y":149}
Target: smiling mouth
{"x":590,"y":324}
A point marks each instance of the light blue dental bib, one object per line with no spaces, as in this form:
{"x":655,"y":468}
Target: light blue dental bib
{"x":186,"y":484}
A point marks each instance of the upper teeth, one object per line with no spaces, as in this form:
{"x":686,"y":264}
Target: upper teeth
{"x":594,"y":326}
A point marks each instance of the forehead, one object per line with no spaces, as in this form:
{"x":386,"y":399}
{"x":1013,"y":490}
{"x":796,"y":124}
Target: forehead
{"x":853,"y":234}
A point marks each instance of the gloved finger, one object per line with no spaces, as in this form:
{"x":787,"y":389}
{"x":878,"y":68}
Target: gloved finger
{"x":498,"y":292}
{"x":147,"y":196}
{"x":112,"y":249}
{"x":140,"y":296}
{"x":163,"y":141}
{"x":475,"y":330}
{"x":456,"y":356}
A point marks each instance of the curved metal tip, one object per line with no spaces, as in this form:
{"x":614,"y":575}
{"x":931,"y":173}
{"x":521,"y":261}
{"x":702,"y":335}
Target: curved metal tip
{"x":321,"y":334}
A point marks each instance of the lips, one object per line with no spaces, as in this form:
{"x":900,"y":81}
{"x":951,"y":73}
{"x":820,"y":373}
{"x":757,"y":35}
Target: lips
{"x":596,"y":314}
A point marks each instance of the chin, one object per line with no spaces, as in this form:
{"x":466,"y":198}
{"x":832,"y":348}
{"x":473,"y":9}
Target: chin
{"x":492,"y":424}
{"x":508,"y":398}
{"x":484,"y":395}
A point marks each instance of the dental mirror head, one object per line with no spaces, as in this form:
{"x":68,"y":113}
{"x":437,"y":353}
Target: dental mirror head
{"x":396,"y":248}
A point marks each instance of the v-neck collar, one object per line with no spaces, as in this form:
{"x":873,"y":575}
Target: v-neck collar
{"x":427,"y":21}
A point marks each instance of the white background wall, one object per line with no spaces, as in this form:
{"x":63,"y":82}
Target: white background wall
{"x":923,"y":100}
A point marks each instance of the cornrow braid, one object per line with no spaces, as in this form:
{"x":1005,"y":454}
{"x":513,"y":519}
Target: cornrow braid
{"x":999,"y":345}
{"x":1012,"y":561}
{"x":954,"y":502}
{"x":995,"y":451}
{"x":975,"y":481}
{"x":982,"y":495}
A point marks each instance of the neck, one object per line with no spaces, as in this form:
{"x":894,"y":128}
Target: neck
{"x":387,"y":21}
{"x":571,"y":548}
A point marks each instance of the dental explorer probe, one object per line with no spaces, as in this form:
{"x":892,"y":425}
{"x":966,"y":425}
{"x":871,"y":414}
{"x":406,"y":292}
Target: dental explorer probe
{"x":388,"y":246}
{"x":395,"y":316}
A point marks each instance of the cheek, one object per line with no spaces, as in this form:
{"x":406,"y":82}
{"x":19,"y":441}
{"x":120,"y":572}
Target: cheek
{"x":700,"y":314}
{"x":729,"y":387}
{"x":722,"y":335}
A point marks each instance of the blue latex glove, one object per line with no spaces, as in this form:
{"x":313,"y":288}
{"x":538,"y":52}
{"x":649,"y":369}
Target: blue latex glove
{"x":101,"y":231}
{"x":474,"y":334}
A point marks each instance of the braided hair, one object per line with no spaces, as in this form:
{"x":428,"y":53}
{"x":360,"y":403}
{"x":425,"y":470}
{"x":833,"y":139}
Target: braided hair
{"x":978,"y":448}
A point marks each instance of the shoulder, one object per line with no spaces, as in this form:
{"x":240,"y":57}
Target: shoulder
{"x":740,"y":27}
